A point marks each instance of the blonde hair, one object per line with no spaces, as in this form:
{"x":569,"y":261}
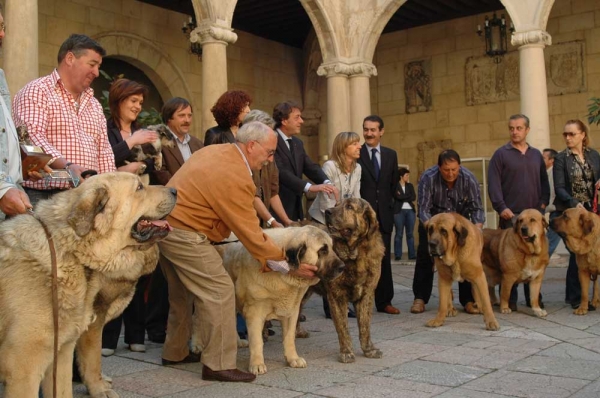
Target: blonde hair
{"x":338,"y":150}
{"x":581,"y":126}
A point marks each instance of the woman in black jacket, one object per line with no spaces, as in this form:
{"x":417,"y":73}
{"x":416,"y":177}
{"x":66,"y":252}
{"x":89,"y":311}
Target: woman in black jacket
{"x":404,"y":215}
{"x":229,"y":111}
{"x":576,"y":175}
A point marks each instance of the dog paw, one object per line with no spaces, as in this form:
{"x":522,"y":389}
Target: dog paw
{"x":196,"y":348}
{"x":346,"y":357}
{"x":505,"y":310}
{"x":452,"y":312}
{"x":105,"y":394}
{"x":540,"y":312}
{"x":434,"y":323}
{"x":243,"y":343}
{"x":373,"y":353}
{"x":259,"y":369}
{"x":302,"y":334}
{"x":297,"y":363}
{"x":580,"y":311}
{"x":492,"y":325}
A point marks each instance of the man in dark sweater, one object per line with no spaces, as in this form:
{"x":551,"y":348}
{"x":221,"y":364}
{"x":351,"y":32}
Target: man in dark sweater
{"x":517,"y":180}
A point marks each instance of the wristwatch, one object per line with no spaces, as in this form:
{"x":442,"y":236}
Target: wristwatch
{"x":270,"y":221}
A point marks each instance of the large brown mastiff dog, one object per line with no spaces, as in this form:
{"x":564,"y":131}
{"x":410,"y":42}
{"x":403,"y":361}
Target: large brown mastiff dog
{"x":581,"y":231}
{"x":456,"y":244}
{"x":104,"y":233}
{"x":516,"y":255}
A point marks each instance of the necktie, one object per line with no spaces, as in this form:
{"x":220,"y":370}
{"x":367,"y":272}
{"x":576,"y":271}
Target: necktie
{"x":375,"y":163}
{"x":291,"y":144}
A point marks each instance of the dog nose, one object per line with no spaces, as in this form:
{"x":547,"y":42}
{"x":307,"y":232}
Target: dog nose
{"x":524,"y":230}
{"x":173,"y":191}
{"x":328,"y":212}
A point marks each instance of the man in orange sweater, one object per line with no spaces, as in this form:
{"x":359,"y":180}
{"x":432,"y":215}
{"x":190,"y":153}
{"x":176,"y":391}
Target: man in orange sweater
{"x":215,"y":197}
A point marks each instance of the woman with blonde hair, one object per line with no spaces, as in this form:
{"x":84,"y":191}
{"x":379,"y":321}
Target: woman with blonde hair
{"x":344,"y":173}
{"x":576,"y":175}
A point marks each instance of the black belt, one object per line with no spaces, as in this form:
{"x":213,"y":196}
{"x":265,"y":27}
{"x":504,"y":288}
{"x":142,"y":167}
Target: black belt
{"x":223,"y":242}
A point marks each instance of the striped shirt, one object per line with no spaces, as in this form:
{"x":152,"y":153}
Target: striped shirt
{"x":55,"y":123}
{"x":464,"y":197}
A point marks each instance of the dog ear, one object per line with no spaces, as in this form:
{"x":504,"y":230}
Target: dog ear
{"x":587,"y":224}
{"x":371,"y":218}
{"x":461,"y":234}
{"x":294,"y":254}
{"x":85,"y":209}
{"x":516,"y":226}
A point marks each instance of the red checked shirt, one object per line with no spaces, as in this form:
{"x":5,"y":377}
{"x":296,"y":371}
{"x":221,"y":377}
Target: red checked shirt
{"x":54,"y":123}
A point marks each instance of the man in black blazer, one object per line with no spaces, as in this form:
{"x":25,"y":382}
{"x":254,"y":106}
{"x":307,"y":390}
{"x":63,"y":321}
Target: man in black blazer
{"x":292,"y":161}
{"x":377,"y":186}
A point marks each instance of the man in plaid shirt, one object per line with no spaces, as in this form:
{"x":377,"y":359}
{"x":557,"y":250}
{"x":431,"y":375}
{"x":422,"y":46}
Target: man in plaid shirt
{"x":63,"y":117}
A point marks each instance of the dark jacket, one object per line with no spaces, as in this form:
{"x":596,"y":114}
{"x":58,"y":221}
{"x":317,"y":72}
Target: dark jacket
{"x":218,"y":135}
{"x":291,"y":184}
{"x":120,"y":147}
{"x":172,"y":161}
{"x":408,"y":195}
{"x":563,"y":177}
{"x":380,"y":193}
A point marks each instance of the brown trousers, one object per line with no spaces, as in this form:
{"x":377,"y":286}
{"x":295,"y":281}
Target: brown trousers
{"x":195,"y":274}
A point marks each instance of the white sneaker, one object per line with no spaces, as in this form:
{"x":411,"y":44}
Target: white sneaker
{"x":137,"y":347}
{"x":106,"y":352}
{"x":555,"y":256}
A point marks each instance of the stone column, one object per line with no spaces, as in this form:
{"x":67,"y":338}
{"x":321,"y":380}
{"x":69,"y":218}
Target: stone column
{"x":338,"y":108}
{"x":534,"y":93}
{"x":214,"y":40}
{"x":360,"y":94}
{"x":20,"y":46}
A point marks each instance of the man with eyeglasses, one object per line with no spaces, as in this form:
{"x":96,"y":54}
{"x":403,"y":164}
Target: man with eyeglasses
{"x":445,"y":188}
{"x":517,"y":180}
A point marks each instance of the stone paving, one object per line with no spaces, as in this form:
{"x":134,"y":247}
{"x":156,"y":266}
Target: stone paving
{"x":528,"y":357}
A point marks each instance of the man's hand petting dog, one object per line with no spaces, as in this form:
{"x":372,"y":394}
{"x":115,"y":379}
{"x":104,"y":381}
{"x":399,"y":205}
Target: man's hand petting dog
{"x":306,"y":271}
{"x":141,"y":137}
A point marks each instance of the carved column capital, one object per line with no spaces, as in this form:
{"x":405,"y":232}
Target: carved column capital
{"x":540,"y":37}
{"x":340,"y":68}
{"x":208,"y":32}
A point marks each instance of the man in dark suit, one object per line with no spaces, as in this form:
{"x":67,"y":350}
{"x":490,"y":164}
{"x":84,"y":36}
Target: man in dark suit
{"x":292,"y":162}
{"x":177,"y":114}
{"x":378,"y":181}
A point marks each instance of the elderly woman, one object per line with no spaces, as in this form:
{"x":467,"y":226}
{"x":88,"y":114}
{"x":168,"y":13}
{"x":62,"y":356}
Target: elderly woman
{"x":125,"y":101}
{"x":576,"y":178}
{"x":229,"y":112}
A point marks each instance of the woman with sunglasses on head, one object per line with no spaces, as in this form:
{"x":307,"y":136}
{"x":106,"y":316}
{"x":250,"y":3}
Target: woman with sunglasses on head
{"x":576,"y":178}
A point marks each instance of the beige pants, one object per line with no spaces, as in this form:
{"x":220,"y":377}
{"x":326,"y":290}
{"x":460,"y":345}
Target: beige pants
{"x":199,"y":268}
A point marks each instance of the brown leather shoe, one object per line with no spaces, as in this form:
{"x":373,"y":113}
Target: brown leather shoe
{"x":471,"y":308}
{"x":390,"y":309}
{"x":226,"y":375}
{"x":418,"y":306}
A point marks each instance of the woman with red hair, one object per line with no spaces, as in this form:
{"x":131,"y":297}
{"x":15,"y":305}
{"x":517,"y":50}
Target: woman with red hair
{"x":229,"y":111}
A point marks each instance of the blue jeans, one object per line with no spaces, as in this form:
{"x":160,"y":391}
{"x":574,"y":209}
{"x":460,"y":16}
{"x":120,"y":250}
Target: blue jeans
{"x":405,"y":219}
{"x":553,"y":241}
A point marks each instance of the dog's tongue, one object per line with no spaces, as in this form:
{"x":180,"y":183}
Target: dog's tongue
{"x":161,"y":224}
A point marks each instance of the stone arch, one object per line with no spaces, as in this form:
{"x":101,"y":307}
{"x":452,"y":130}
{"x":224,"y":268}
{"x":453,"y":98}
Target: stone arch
{"x":528,"y":16}
{"x":153,"y":61}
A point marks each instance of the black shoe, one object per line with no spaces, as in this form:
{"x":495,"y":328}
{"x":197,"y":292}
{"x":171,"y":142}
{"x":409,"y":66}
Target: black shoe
{"x":191,"y":358}
{"x":243,"y":336}
{"x":412,"y":258}
{"x":157,"y":338}
{"x":270,"y":332}
{"x":512,"y":306}
{"x":351,"y":313}
{"x":397,"y":258}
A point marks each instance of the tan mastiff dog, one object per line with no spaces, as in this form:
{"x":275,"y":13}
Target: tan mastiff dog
{"x":456,"y":244}
{"x":581,"y":230}
{"x":515,"y":255}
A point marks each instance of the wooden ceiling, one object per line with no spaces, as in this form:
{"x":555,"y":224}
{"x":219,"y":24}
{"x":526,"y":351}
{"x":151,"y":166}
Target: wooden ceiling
{"x":285,"y":21}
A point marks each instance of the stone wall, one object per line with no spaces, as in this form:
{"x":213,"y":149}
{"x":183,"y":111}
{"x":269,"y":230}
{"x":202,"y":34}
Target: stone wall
{"x":477,"y":130}
{"x":150,"y":38}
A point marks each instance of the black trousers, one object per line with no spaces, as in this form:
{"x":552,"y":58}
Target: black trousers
{"x":423,"y":277}
{"x":384,"y":293}
{"x":157,"y":307}
{"x":134,"y":318}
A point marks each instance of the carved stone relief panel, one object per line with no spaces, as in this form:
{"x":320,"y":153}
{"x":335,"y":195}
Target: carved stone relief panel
{"x":488,"y":82}
{"x":417,"y":86}
{"x":428,"y":152}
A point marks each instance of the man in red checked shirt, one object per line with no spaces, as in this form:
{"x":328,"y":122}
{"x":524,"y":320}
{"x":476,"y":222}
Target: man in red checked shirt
{"x":63,"y":117}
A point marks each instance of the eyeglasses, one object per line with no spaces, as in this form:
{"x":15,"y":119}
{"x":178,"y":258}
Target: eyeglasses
{"x":269,"y":152}
{"x":570,"y":135}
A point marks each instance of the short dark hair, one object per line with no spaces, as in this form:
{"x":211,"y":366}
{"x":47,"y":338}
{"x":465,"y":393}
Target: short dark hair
{"x":520,"y":116}
{"x":448,"y":155}
{"x":374,"y":118}
{"x":551,"y":151}
{"x":282,"y":111}
{"x":172,"y":106}
{"x":402,"y":171}
{"x":78,"y":44}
